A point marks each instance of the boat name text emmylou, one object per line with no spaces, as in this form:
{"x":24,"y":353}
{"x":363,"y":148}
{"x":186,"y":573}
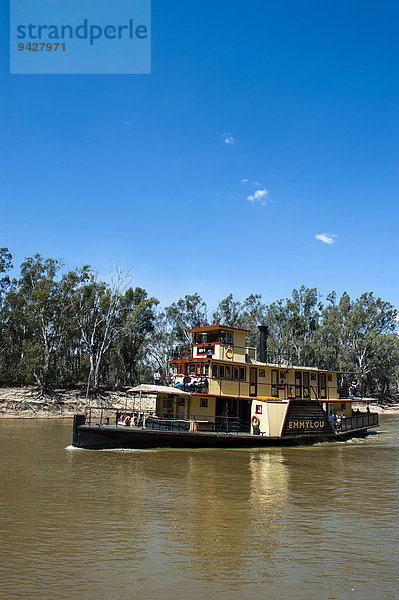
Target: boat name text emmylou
{"x":307,"y":424}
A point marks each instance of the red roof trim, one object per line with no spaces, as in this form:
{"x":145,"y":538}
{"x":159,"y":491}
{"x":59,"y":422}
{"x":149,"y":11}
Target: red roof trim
{"x":224,"y":327}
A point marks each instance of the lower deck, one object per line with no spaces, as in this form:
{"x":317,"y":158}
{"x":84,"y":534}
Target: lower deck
{"x":156,"y":432}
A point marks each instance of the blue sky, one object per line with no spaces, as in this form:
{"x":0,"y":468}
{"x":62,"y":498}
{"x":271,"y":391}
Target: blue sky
{"x":293,"y":105}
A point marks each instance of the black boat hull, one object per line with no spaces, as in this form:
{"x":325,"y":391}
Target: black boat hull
{"x":103,"y":437}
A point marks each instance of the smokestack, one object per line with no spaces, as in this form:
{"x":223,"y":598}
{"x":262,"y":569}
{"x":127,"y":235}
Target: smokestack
{"x":264,"y":334}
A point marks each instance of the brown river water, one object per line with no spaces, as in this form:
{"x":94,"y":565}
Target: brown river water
{"x":317,"y":522}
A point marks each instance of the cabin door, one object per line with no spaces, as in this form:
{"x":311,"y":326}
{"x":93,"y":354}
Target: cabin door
{"x":298,"y":384}
{"x":244,"y":415}
{"x":305,"y":386}
{"x":322,"y":385}
{"x":274,"y":383}
{"x":253,"y":381}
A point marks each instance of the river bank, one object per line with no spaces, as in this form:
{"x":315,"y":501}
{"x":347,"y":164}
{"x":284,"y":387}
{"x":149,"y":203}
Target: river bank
{"x":25,"y":403}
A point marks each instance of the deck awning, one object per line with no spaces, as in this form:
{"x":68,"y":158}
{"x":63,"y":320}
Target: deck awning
{"x":157,"y":389}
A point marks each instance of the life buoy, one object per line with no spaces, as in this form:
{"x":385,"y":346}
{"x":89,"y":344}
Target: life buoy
{"x":185,"y":354}
{"x":128,"y":421}
{"x":255,"y":421}
{"x":229,"y":353}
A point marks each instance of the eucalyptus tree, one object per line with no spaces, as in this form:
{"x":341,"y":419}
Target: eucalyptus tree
{"x":96,"y":308}
{"x":38,"y":287}
{"x":363,"y":325}
{"x":228,"y":312}
{"x":253,"y":313}
{"x":135,"y":329}
{"x":187,"y":313}
{"x":328,"y":338}
{"x":5,"y":266}
{"x":293,"y":323}
{"x":160,"y":346}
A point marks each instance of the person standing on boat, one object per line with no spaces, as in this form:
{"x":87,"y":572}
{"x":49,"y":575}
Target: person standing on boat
{"x":353,"y":389}
{"x":225,"y":419}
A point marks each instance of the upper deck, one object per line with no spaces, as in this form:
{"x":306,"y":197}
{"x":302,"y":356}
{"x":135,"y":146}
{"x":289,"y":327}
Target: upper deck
{"x":221,"y":343}
{"x":219,"y":363}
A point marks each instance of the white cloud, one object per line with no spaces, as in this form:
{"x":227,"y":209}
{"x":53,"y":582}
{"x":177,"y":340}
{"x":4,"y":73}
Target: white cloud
{"x":244,"y":180}
{"x":260,"y":196}
{"x":326,"y":238}
{"x":228,"y":138}
{"x":128,"y":123}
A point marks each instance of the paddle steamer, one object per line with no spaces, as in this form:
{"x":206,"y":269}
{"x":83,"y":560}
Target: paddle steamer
{"x":223,"y":395}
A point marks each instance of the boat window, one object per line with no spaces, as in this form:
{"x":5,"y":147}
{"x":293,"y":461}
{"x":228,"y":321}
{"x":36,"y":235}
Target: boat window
{"x":213,"y":336}
{"x":201,"y":338}
{"x":181,"y":368}
{"x":228,"y":372}
{"x":258,"y":409}
{"x":221,"y":371}
{"x":236,"y":373}
{"x":167,"y":403}
{"x":229,"y":337}
{"x":215,"y":371}
{"x":262,"y":373}
{"x":205,"y":370}
{"x":329,"y":377}
{"x":243,"y":376}
{"x":191,"y":369}
{"x":203,"y":402}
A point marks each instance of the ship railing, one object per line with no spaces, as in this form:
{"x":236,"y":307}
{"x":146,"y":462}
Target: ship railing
{"x":195,"y":384}
{"x":358,"y":422}
{"x":198,"y":423}
{"x":192,"y":384}
{"x":100,"y":415}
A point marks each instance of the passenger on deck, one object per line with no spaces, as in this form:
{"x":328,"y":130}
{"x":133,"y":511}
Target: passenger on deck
{"x":353,"y":389}
{"x":179,"y":382}
{"x":339,"y":422}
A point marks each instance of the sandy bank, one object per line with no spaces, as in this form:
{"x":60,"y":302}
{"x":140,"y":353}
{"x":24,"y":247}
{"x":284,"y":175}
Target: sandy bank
{"x":26,"y":403}
{"x":380,"y":409}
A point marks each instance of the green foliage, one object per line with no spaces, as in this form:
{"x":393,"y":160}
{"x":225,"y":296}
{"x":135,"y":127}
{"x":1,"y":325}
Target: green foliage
{"x":186,"y":313}
{"x":5,"y":265}
{"x":228,"y":312}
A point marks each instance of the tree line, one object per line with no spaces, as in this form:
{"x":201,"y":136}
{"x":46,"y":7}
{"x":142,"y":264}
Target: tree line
{"x":61,"y":327}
